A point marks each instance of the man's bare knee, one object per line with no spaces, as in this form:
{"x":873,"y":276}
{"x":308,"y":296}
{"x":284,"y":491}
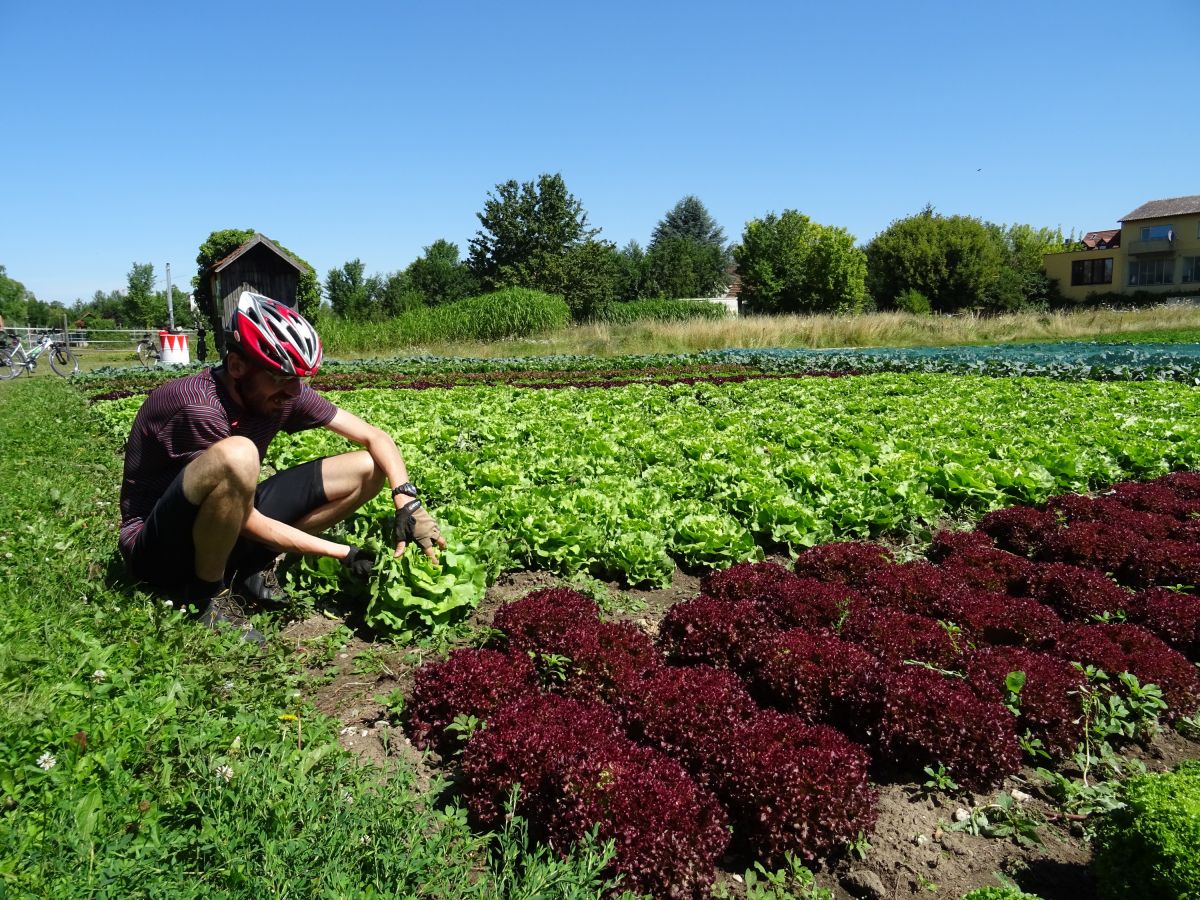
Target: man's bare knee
{"x":230,"y":465}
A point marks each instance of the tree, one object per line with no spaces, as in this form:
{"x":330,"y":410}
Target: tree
{"x":439,"y":276}
{"x":954,"y":261}
{"x":790,"y":264}
{"x":528,"y":230}
{"x":14,"y":299}
{"x":587,"y":276}
{"x":140,"y":308}
{"x":631,"y":272}
{"x":681,"y":266}
{"x":1022,"y":282}
{"x":351,"y":294}
{"x":687,"y":256}
{"x":397,"y":295}
{"x":689,"y":218}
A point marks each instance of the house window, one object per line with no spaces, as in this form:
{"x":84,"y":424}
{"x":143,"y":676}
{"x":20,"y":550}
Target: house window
{"x":1151,"y":271}
{"x":1092,"y":271}
{"x":1158,"y":232}
{"x":1191,"y":269}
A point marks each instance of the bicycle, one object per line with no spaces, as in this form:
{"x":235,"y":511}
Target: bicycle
{"x":15,"y":359}
{"x":148,"y":352}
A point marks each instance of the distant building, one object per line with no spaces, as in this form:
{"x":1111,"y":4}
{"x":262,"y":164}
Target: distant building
{"x":258,"y":265}
{"x":1156,"y":249}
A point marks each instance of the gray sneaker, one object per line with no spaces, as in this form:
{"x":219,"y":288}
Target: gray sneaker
{"x":225,"y":608}
{"x":262,"y":588}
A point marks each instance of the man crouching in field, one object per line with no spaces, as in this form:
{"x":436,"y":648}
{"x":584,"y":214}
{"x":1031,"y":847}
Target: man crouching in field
{"x":194,"y":517}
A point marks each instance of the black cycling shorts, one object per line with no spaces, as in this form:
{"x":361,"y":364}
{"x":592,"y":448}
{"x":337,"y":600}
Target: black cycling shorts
{"x":164,"y":555}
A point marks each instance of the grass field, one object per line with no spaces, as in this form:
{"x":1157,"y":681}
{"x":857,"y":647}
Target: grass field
{"x":1174,"y":323}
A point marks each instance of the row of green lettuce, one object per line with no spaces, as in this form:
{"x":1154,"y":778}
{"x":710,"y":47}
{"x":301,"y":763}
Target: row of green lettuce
{"x":625,"y":483}
{"x":1069,"y":361}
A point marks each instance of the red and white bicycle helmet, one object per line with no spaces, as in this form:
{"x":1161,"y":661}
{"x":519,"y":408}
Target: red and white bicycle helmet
{"x":274,"y":335}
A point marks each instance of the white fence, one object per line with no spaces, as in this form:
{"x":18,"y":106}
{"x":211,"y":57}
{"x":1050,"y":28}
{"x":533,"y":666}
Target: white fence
{"x":98,"y":338}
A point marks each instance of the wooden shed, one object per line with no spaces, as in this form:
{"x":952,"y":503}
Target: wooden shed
{"x":259,"y":266}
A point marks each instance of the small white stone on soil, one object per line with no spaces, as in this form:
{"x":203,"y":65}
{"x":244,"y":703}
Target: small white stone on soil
{"x":961,"y":815}
{"x":1020,"y":796}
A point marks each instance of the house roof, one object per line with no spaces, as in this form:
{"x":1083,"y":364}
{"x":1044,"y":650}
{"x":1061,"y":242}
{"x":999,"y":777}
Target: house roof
{"x":1157,"y":209}
{"x":225,"y":262}
{"x":1096,"y":239}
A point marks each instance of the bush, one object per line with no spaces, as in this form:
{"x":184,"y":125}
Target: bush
{"x":1150,"y":847}
{"x":533,"y":743}
{"x":668,"y":832}
{"x":686,"y":713}
{"x":710,"y":631}
{"x":913,"y":301}
{"x":658,"y":311}
{"x":509,"y":313}
{"x":468,"y":683}
{"x":538,"y":620}
{"x":848,"y":562}
{"x":815,"y":676}
{"x":794,"y":787}
{"x":1049,"y":703}
{"x":928,"y":719}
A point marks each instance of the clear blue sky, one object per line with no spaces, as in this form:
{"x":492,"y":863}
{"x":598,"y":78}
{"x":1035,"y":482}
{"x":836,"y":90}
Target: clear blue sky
{"x":370,"y":129}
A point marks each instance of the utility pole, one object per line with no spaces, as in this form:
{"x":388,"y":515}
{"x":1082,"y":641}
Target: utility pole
{"x":170,"y":307}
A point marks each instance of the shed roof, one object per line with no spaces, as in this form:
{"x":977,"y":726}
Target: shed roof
{"x":250,"y":245}
{"x":1157,"y":209}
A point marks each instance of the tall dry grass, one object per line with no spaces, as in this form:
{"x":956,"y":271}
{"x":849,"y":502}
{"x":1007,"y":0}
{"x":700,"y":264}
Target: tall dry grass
{"x":889,"y":329}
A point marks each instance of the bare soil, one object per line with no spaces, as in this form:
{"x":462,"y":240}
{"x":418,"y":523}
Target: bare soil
{"x":912,"y":853}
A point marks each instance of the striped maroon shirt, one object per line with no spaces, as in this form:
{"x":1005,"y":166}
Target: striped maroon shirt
{"x":184,"y":417}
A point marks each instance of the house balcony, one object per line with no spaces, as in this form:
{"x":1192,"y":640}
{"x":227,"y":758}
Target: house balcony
{"x":1143,"y":248}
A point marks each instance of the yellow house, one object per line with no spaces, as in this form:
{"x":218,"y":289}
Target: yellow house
{"x":1156,"y":249}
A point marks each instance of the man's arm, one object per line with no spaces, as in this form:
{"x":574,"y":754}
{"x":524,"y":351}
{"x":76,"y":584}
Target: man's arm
{"x":287,"y":539}
{"x":375,"y":441}
{"x":387,"y":459}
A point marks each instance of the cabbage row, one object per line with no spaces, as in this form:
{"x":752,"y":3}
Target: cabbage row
{"x":627,"y":482}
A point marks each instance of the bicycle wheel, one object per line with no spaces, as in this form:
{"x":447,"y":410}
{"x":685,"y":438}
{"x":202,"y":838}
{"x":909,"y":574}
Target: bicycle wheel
{"x":145,"y":353}
{"x":8,"y":368}
{"x":63,"y":360}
